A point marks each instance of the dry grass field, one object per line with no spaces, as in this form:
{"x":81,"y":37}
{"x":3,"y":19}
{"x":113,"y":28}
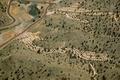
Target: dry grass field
{"x":75,"y":40}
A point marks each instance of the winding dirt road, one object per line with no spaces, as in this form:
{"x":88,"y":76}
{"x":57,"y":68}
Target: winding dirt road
{"x":10,"y":16}
{"x":8,"y":11}
{"x":31,"y":25}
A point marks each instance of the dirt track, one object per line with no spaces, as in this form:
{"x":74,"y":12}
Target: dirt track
{"x":31,"y":25}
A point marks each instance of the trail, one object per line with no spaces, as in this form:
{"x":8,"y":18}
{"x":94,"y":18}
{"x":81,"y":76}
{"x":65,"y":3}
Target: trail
{"x":31,"y":25}
{"x":12,"y":18}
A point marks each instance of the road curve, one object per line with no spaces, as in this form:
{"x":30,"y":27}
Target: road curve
{"x":8,"y":41}
{"x":8,"y":13}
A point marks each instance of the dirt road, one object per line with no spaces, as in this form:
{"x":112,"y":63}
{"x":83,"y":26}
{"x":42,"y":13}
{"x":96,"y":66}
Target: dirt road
{"x":31,"y":25}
